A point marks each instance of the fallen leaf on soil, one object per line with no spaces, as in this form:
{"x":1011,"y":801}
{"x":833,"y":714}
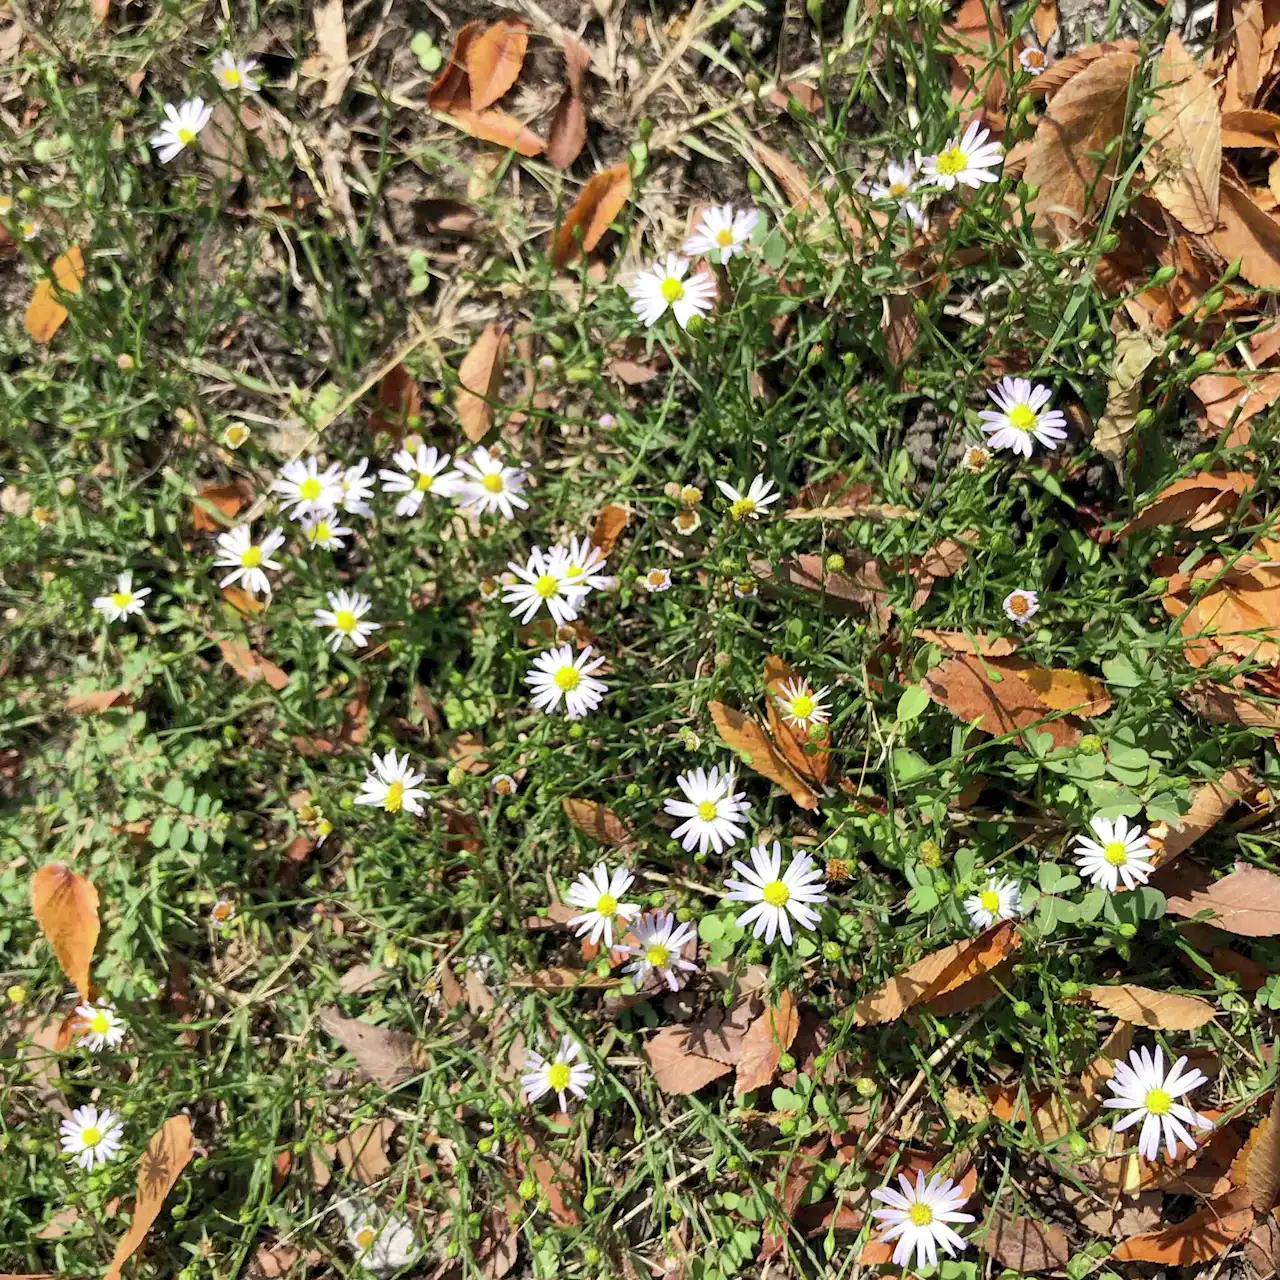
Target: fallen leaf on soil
{"x":795,"y":1177}
{"x":65,"y":905}
{"x":167,"y":1154}
{"x":1160,"y":1010}
{"x":1209,"y":804}
{"x":794,"y":181}
{"x":1114,"y":1221}
{"x":748,"y":739}
{"x":82,"y":704}
{"x":252,"y":666}
{"x":1196,"y":503}
{"x":399,"y":400}
{"x":1223,"y":705}
{"x":608,"y":527}
{"x":1049,"y":81}
{"x":598,"y":821}
{"x":1248,"y":233}
{"x":976,"y":37}
{"x":599,"y":202}
{"x":863,"y":590}
{"x":1250,"y":128}
{"x":677,"y":1066}
{"x":494,"y":59}
{"x":1235,"y":397}
{"x":1184,"y":131}
{"x":480,"y":380}
{"x":1262,"y":1159}
{"x":853,"y":511}
{"x":1135,"y":350}
{"x":946,"y":558}
{"x":1064,"y":690}
{"x":226,"y":499}
{"x":767,"y":1039}
{"x":559,"y":978}
{"x":1204,"y":1236}
{"x":1025,"y":1245}
{"x":334,"y":61}
{"x":384,"y":1055}
{"x":363,"y":1152}
{"x":45,"y":314}
{"x":1262,"y":1250}
{"x":938,"y":973}
{"x":1246,"y":902}
{"x":568,"y":133}
{"x":959,"y":642}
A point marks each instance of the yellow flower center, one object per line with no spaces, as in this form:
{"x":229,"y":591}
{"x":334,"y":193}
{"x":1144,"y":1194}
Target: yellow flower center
{"x":324,"y":827}
{"x":236,"y":436}
{"x":547,"y":585}
{"x":990,"y":900}
{"x":1158,"y":1102}
{"x":672,"y":289}
{"x":309,"y":489}
{"x":251,"y":558}
{"x":657,"y":956}
{"x":802,"y":706}
{"x":1019,"y":604}
{"x":345,"y":621}
{"x":394,"y":797}
{"x":724,"y":237}
{"x":575,"y":571}
{"x":365,"y":1237}
{"x":898,"y":189}
{"x":558,"y":1076}
{"x":776,"y":894}
{"x":606,"y":904}
{"x":657,"y":577}
{"x":1023,"y":418}
{"x":231,"y":77}
{"x":321,"y":532}
{"x":121,"y":598}
{"x":920,"y":1214}
{"x":568,"y":678}
{"x":100,"y":1024}
{"x":1115,"y":853}
{"x":952,"y":161}
{"x":742,"y":508}
{"x":186,"y":136}
{"x":707,"y":810}
{"x":425,"y":481}
{"x":91,"y":1136}
{"x":222,"y":912}
{"x":493,"y":482}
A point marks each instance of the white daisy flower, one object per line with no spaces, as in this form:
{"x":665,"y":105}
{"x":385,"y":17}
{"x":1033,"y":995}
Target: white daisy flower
{"x":542,"y":581}
{"x":236,"y":434}
{"x":970,"y":160}
{"x":658,"y":942}
{"x":600,"y":897}
{"x":777,"y":897}
{"x":899,"y":185}
{"x":28,"y":229}
{"x":665,"y":285}
{"x":559,"y":1074}
{"x":558,"y":674}
{"x":91,"y":1136}
{"x":223,"y":911}
{"x":248,"y":560}
{"x":1021,"y":417}
{"x":722,"y":228}
{"x":918,"y":1218}
{"x":181,"y":127}
{"x":1142,"y":1088}
{"x":324,"y":531}
{"x":747,"y":506}
{"x":1032,"y":61}
{"x":800,"y":706}
{"x":657,"y":580}
{"x":307,"y":489}
{"x":975,"y":458}
{"x":1120,"y":853}
{"x":102,"y":1026}
{"x":1000,"y":900}
{"x":383,"y":1244}
{"x":235,"y":73}
{"x":712,"y":809}
{"x":504,"y":785}
{"x":357,"y":489}
{"x":345,"y":616}
{"x":419,"y":475}
{"x":1021,"y":606}
{"x":745,"y":588}
{"x":581,"y":563}
{"x":489,"y":486}
{"x":686,"y":522}
{"x":392,"y":784}
{"x":124,"y":600}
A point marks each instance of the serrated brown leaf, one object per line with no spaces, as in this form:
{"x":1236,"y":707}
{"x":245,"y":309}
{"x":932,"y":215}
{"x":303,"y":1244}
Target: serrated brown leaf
{"x":480,"y":380}
{"x":937,"y":973}
{"x":494,"y":58}
{"x":1209,"y":804}
{"x":252,"y":666}
{"x":1195,"y":503}
{"x":65,"y":905}
{"x":399,"y":400}
{"x":1205,"y":1235}
{"x":1049,"y":81}
{"x":1262,"y":1162}
{"x":1247,"y":232}
{"x":598,"y":203}
{"x":598,"y":821}
{"x":1160,"y":1010}
{"x":226,"y":499}
{"x":45,"y":314}
{"x":167,"y":1154}
{"x":767,"y":1039}
{"x":748,"y":739}
{"x":1246,"y":902}
{"x":608,"y":527}
{"x":980,"y":642}
{"x":676,"y":1066}
{"x":1024,"y":1245}
{"x":384,"y":1055}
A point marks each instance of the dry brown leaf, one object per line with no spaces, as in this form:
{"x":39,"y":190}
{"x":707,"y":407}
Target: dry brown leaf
{"x":598,"y":821}
{"x":167,"y":1154}
{"x":767,"y":1039}
{"x":80,"y":704}
{"x":946,"y":558}
{"x":1195,"y":503}
{"x":1135,"y":350}
{"x":65,"y":905}
{"x":795,"y":182}
{"x":1240,"y":34}
{"x":1223,"y":705}
{"x":938,"y":973}
{"x":1063,"y":690}
{"x":853,"y":511}
{"x":1049,"y":81}
{"x":1249,"y":128}
{"x":747,"y":737}
{"x":226,"y":499}
{"x":556,"y":1173}
{"x":1025,"y":1245}
{"x":1068,"y":160}
{"x":1235,"y":396}
{"x":1262,"y":1165}
{"x":568,"y":133}
{"x":608,"y":527}
{"x":384,"y":1055}
{"x":399,"y":404}
{"x":900,"y":328}
{"x":959,"y":642}
{"x":977,"y":30}
{"x":252,"y":666}
{"x":1205,"y":1235}
{"x":1246,"y":902}
{"x":599,"y":202}
{"x":331,"y":39}
{"x":480,"y":380}
{"x":45,"y":314}
{"x":864,"y":590}
{"x":494,"y":59}
{"x":1045,"y":20}
{"x":1247,"y":233}
{"x":677,"y":1067}
{"x":501,"y":127}
{"x":1209,"y":803}
{"x":559,"y":978}
{"x":1183,"y":160}
{"x":1160,"y":1010}
{"x":363,"y":1152}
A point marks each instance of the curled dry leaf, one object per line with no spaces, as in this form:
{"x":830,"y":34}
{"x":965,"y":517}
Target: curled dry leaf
{"x":1049,"y":81}
{"x":767,"y":1039}
{"x":480,"y":380}
{"x":608,"y":527}
{"x":1195,"y":503}
{"x":1246,"y":902}
{"x":598,"y":821}
{"x":1224,"y":705}
{"x":960,"y":642}
{"x":45,"y":314}
{"x":560,"y":978}
{"x":1253,"y":129}
{"x":599,"y":202}
{"x":748,"y":739}
{"x":568,"y":133}
{"x":1135,"y":350}
{"x":1205,"y":1235}
{"x":363,"y":1152}
{"x":1209,"y":803}
{"x":167,"y":1154}
{"x":1024,"y":1245}
{"x":65,"y":905}
{"x":384,"y":1055}
{"x":399,"y":400}
{"x":795,"y":183}
{"x":82,"y":704}
{"x":494,"y":59}
{"x":252,"y":666}
{"x":1262,"y":1159}
{"x":224,"y":499}
{"x":1160,"y":1010}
